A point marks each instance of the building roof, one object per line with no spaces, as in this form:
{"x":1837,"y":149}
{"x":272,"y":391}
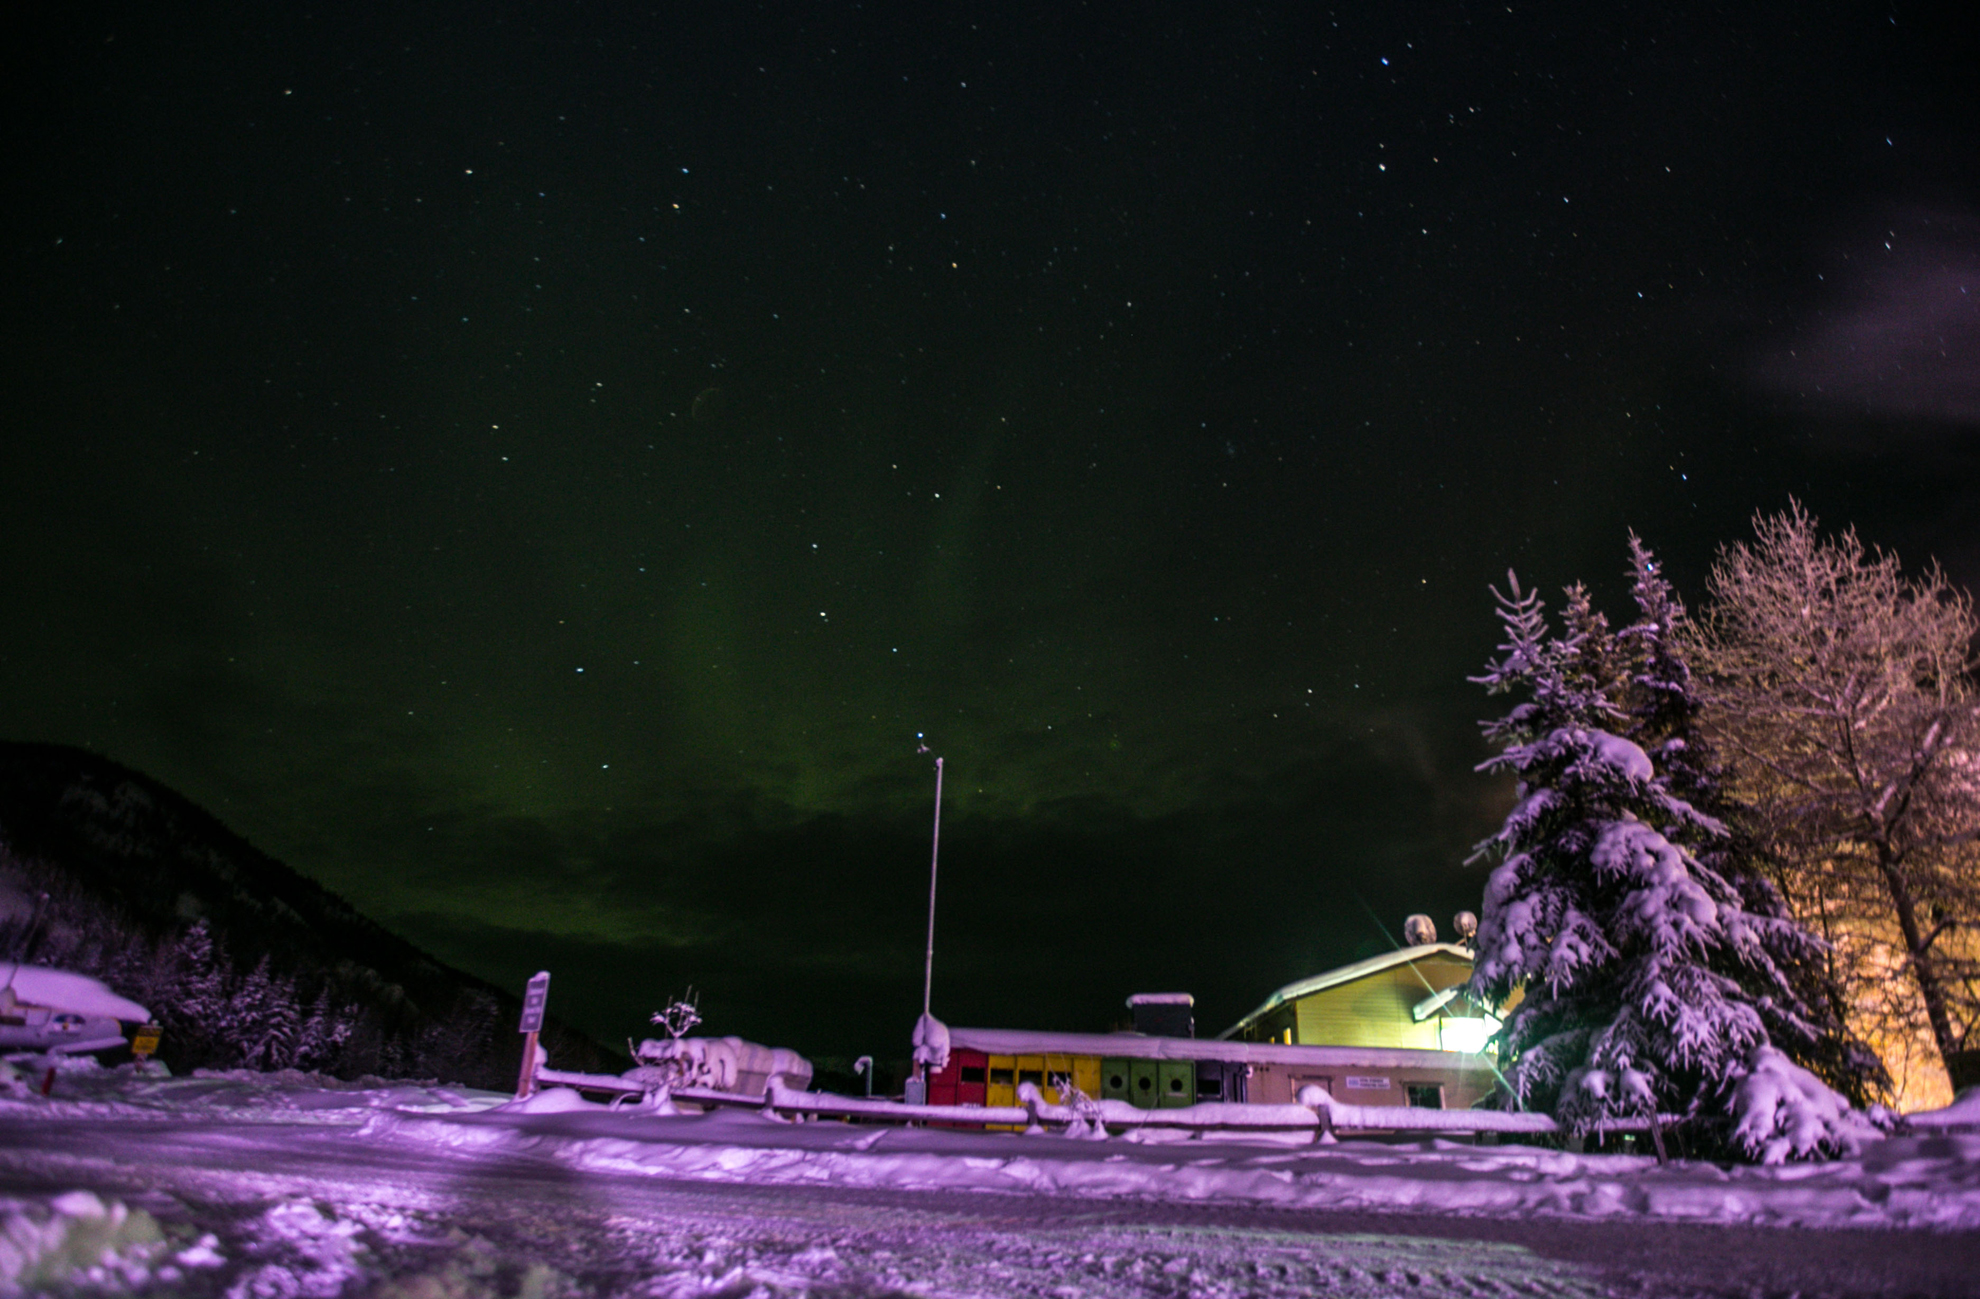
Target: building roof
{"x":1346,"y":974}
{"x":1015,"y":1041}
{"x":65,"y":990}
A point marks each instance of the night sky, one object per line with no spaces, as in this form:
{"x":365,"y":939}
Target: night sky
{"x":546,"y":471}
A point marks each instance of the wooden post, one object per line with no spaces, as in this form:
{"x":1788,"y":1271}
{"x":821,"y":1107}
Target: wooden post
{"x":1657,"y":1134}
{"x":534,"y":999}
{"x":526,"y":1081}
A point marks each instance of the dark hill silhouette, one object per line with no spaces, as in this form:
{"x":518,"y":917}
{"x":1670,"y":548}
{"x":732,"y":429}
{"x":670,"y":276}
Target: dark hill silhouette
{"x":129,"y":867}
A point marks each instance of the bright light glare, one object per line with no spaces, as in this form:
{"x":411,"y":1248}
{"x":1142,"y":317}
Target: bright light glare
{"x":1466,"y":1035}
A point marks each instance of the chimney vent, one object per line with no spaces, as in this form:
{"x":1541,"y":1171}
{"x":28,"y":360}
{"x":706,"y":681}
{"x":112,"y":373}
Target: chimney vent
{"x":1163,"y":1014}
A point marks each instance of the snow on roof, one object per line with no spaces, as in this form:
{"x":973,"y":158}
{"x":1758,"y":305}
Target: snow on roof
{"x":1161,"y":999}
{"x":1019,"y":1041}
{"x":65,"y":990}
{"x":1347,"y":974}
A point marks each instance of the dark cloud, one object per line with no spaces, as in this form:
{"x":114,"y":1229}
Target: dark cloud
{"x":809,"y":929}
{"x":1896,"y":338}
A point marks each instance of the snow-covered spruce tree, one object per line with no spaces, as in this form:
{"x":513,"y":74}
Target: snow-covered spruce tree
{"x":1662,"y":703}
{"x":1663,"y":706}
{"x":1640,"y":971}
{"x":319,"y":1035}
{"x":267,"y":1019}
{"x":194,"y":1003}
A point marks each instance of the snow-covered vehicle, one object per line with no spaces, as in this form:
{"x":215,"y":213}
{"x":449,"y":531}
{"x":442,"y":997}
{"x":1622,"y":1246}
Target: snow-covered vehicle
{"x":47,"y":1010}
{"x":726,"y":1064}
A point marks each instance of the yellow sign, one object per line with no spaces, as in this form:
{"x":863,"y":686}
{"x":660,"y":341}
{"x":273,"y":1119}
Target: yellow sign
{"x":146,"y":1041}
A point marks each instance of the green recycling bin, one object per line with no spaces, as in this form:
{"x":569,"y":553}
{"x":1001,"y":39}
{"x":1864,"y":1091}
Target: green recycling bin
{"x":1175,"y":1084}
{"x":1114,"y":1079}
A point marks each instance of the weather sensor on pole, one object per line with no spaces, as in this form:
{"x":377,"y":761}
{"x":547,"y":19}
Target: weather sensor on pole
{"x":934,"y":860}
{"x":931,"y":1037}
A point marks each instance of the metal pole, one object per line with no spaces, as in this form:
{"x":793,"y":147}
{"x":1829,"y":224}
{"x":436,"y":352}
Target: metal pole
{"x":934,"y":859}
{"x":535,"y":997}
{"x":526,"y":1080}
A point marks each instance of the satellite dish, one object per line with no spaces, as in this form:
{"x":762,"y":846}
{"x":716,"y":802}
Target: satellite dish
{"x":1419,"y":930}
{"x":1466,"y":925}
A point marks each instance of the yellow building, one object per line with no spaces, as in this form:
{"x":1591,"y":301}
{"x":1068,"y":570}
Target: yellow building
{"x":1412,"y":998}
{"x":987,"y":1065}
{"x":1396,"y":1029}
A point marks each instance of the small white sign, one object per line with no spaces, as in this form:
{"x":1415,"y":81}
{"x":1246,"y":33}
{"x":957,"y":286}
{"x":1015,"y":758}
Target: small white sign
{"x":1363,"y":1083}
{"x":534,"y":997}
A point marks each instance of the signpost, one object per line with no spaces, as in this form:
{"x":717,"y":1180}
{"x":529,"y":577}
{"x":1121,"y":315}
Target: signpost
{"x":145,"y":1043}
{"x":534,"y":999}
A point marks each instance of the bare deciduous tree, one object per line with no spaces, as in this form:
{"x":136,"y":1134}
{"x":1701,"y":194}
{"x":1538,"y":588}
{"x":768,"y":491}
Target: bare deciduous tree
{"x":1841,"y":691}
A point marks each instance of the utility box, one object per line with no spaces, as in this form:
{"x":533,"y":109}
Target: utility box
{"x":1164,"y":1014}
{"x":960,"y":1081}
{"x":1220,"y":1080}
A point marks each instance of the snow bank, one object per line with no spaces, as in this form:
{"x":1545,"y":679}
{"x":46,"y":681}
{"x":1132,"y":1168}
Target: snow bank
{"x":551,"y":1100}
{"x":1898,"y":1182}
{"x":1962,"y":1116}
{"x":1784,"y":1111}
{"x":1904,"y":1181}
{"x":76,"y":1234}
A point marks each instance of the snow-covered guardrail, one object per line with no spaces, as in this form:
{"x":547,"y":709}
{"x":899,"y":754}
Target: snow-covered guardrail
{"x":787,"y":1102}
{"x":1316,"y":1112}
{"x":614,"y":1084}
{"x":589,"y":1082}
{"x":1339,"y":1116}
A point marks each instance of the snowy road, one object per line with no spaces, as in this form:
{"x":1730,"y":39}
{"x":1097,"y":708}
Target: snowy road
{"x":364,"y":1201}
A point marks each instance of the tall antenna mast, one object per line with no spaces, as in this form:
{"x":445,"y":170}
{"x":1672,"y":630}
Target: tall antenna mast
{"x":934,"y":860}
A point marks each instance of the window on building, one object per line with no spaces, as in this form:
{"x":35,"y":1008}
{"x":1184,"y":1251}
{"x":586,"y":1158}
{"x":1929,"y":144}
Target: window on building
{"x":1429,"y":1096}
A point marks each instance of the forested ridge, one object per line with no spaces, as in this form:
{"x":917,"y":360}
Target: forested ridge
{"x":244,"y":961}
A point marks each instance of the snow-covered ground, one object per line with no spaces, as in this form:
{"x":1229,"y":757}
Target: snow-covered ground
{"x":246,"y":1184}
